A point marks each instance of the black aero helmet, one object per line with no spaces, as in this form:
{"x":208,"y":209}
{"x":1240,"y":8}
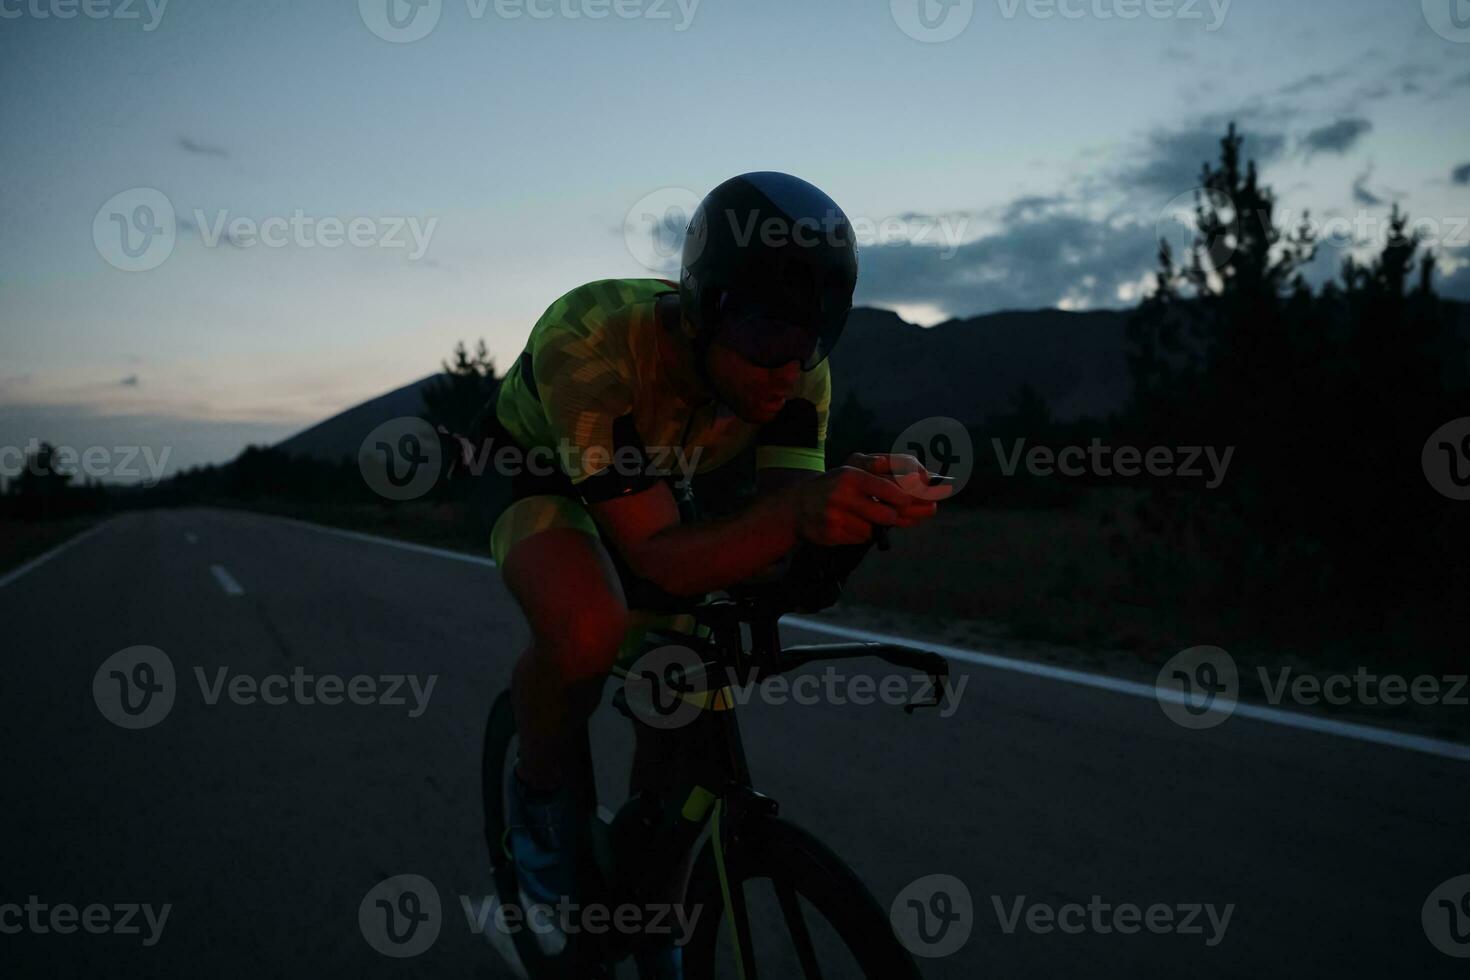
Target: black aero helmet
{"x":769,"y":267}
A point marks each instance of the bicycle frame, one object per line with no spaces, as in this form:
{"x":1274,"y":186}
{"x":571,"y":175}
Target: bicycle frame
{"x":717,"y":794}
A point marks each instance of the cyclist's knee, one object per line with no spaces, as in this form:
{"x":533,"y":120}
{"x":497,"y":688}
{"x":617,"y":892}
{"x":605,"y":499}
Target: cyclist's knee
{"x":584,"y":641}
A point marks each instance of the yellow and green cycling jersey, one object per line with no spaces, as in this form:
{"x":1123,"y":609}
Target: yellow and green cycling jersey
{"x":593,"y":380}
{"x":612,"y":395}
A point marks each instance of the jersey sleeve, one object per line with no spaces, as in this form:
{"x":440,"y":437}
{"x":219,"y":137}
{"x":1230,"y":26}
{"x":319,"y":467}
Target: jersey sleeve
{"x":588,"y":402}
{"x":796,"y":439}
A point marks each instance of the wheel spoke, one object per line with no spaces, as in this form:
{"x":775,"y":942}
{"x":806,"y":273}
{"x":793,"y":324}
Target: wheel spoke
{"x":740,"y":921}
{"x":801,"y":937}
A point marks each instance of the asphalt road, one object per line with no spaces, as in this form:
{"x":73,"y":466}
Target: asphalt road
{"x":263,"y":826}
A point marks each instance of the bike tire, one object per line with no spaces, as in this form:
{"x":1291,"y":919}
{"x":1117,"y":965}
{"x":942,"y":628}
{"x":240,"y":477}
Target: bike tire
{"x":497,"y":757}
{"x":816,"y":892}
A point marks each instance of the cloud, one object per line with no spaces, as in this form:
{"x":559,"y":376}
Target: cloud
{"x":1454,"y":285}
{"x":202,"y":149}
{"x":1170,"y":161}
{"x":1461,"y":174}
{"x":1310,"y":82}
{"x":185,"y":223}
{"x":1361,"y":194}
{"x":1044,"y":254}
{"x":1337,"y":137}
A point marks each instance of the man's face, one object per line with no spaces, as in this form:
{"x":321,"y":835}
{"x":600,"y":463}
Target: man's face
{"x":756,"y":394}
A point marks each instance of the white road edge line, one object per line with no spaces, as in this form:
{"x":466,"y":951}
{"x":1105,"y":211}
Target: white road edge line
{"x":1274,"y":716}
{"x":422,"y":549}
{"x":226,"y":580}
{"x":46,"y":556}
{"x":1257,"y":712}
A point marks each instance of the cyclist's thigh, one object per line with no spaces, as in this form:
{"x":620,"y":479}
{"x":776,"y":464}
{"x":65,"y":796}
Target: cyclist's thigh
{"x":555,"y":565}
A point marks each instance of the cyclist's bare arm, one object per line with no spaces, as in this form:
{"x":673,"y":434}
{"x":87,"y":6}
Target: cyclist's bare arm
{"x":839,"y":506}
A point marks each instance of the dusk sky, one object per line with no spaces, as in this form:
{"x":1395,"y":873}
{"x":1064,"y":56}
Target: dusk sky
{"x":994,"y":155}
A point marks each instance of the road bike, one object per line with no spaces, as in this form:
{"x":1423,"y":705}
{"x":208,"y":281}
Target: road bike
{"x":762,"y":897}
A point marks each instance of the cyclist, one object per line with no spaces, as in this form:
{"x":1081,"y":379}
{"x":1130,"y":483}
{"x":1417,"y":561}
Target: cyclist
{"x":618,"y":379}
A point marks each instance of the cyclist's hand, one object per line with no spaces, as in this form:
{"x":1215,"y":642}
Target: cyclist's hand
{"x":842,"y":505}
{"x":910,"y":475}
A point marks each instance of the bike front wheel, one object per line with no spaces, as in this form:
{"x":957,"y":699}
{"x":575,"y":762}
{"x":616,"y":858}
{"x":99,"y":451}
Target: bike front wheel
{"x":795,"y":910}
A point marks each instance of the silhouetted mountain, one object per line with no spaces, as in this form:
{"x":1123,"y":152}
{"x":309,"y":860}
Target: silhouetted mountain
{"x":339,"y":437}
{"x":967,"y":369}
